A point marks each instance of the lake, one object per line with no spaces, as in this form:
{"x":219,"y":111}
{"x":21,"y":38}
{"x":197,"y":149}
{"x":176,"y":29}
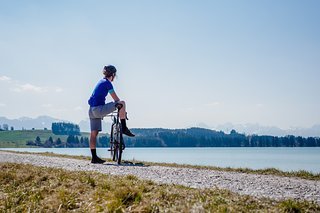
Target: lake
{"x":283,"y":158}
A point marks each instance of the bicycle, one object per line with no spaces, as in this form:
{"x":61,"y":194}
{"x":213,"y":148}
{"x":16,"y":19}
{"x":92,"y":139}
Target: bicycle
{"x":116,"y":139}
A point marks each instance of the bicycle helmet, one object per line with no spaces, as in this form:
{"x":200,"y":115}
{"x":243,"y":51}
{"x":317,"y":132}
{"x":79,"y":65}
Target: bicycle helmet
{"x":109,"y":71}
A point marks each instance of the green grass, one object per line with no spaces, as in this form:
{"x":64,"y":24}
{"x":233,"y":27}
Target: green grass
{"x":26,"y":188}
{"x":18,"y":138}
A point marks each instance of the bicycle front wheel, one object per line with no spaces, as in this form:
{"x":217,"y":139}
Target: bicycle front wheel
{"x":120,"y":147}
{"x":117,"y":143}
{"x":112,"y":143}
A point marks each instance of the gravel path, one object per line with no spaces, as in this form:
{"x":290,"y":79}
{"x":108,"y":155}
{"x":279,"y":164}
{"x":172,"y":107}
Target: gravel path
{"x":248,"y":184}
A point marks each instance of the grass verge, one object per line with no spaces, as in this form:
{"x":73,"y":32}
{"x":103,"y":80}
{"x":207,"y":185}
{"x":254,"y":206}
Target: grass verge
{"x":18,"y":138}
{"x":27,"y":188}
{"x":269,"y":171}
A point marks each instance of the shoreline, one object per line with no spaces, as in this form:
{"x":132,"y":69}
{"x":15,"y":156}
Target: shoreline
{"x":256,"y":185}
{"x":267,"y":171}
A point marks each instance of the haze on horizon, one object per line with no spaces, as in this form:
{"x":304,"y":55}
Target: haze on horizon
{"x":180,"y":63}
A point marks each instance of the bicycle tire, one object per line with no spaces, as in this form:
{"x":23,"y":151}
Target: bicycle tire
{"x":117,"y":142}
{"x":120,"y":145}
{"x":112,"y":143}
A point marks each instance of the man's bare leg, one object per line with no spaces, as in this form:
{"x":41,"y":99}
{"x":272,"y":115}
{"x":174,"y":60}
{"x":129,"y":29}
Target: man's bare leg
{"x":93,"y":145}
{"x":123,"y":118}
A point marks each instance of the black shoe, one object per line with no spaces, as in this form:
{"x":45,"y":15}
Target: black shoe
{"x":127,"y":132}
{"x":97,"y":160}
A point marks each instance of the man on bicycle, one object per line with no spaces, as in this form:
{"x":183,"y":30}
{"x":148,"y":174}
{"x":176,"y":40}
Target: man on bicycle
{"x":99,"y":109}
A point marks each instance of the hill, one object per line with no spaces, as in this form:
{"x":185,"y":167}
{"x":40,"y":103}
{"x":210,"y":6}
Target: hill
{"x":18,"y":138}
{"x":158,"y":137}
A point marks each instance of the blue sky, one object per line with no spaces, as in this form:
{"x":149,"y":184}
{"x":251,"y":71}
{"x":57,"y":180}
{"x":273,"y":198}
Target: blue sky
{"x":180,"y":63}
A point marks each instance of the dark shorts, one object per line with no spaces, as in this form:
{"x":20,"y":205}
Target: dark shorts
{"x":97,"y":113}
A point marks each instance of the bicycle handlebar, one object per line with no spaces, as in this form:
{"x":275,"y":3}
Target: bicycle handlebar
{"x":119,"y":106}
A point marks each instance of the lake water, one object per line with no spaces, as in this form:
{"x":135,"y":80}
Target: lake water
{"x":283,"y":158}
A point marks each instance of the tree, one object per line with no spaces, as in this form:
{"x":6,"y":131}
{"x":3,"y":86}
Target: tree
{"x":86,"y":142}
{"x":5,"y":127}
{"x":76,"y":140}
{"x":61,"y":128}
{"x":311,"y":142}
{"x":233,"y":132}
{"x":48,"y":143}
{"x":30,"y":143}
{"x":12,"y":128}
{"x":70,"y":139}
{"x":38,"y":141}
{"x":58,"y":142}
{"x":50,"y":139}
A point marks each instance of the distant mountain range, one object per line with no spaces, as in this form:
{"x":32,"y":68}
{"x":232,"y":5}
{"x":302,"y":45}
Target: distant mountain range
{"x":258,"y":129}
{"x":42,"y":122}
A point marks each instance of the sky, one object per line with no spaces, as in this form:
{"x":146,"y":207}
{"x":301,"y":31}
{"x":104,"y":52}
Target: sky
{"x":180,"y":63}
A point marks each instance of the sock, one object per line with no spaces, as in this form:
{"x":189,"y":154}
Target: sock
{"x":123,"y":123}
{"x":94,"y":153}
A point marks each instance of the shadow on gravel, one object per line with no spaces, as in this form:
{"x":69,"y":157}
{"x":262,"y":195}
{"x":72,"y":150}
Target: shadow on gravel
{"x":126,"y":163}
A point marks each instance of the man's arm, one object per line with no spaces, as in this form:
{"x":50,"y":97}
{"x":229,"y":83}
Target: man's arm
{"x":114,"y":96}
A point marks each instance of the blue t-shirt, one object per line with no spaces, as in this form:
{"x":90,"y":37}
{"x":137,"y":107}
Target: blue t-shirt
{"x":100,"y":92}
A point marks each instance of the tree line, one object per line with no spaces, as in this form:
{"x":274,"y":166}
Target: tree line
{"x":5,"y":127}
{"x":62,"y":128}
{"x":58,"y":128}
{"x":71,"y":141}
{"x":199,"y":137}
{"x":192,"y":137}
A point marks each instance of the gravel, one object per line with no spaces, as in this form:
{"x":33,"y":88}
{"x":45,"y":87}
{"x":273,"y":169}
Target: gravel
{"x":269,"y":186}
